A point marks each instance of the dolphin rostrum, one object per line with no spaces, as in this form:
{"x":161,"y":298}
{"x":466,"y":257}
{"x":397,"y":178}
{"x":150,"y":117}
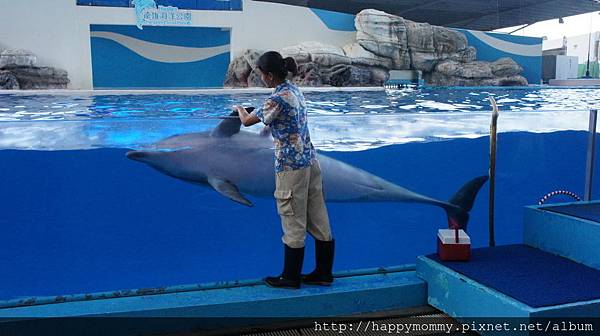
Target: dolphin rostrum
{"x":235,"y":163}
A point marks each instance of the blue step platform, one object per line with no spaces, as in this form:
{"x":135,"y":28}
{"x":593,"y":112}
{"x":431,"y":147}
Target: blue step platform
{"x":554,"y":274}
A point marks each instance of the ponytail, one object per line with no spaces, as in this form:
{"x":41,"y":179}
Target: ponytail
{"x":290,"y":65}
{"x":273,"y":62}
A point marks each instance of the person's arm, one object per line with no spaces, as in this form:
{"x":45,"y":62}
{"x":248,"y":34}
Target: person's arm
{"x":247,"y":119}
{"x":267,"y":113}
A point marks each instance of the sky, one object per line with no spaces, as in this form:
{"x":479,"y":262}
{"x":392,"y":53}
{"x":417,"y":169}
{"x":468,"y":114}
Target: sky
{"x":572,"y":26}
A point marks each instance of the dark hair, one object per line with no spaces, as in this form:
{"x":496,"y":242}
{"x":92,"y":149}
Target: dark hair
{"x":273,"y":62}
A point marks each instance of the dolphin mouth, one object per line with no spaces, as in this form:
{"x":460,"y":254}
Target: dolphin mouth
{"x":136,"y":155}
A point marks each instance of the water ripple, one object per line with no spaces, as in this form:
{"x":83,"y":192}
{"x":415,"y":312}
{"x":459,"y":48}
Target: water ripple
{"x":78,"y":107}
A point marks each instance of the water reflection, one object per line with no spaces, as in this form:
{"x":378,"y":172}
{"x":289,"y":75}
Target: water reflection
{"x":330,"y":133}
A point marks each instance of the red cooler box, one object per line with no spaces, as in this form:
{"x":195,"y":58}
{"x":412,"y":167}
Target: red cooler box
{"x":453,"y":245}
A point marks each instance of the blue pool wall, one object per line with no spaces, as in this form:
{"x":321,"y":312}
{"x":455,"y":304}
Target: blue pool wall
{"x":93,"y":221}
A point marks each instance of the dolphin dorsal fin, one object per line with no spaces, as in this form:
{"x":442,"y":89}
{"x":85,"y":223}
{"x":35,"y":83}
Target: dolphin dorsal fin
{"x":228,"y":190}
{"x":229,"y":126}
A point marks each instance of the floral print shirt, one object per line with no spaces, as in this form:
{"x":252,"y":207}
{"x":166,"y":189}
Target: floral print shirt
{"x":285,"y":112}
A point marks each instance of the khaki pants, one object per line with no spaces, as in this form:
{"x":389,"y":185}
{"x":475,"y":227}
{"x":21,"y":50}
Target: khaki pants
{"x":301,"y":205}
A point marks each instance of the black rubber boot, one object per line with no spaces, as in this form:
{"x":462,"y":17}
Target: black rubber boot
{"x":292,"y":269}
{"x":322,"y":275}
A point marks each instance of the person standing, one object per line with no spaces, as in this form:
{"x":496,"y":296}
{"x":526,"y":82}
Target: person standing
{"x":298,"y":181}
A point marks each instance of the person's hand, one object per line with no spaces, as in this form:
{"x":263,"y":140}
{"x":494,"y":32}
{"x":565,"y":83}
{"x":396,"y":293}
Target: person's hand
{"x":239,"y":109}
{"x":246,"y":118}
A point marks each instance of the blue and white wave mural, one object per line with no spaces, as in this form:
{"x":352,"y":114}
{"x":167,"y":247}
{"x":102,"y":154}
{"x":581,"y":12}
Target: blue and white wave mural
{"x":335,"y":20}
{"x":159,"y":57}
{"x":526,"y":51}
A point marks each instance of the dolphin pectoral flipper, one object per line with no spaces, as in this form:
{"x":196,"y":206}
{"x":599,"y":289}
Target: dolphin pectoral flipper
{"x":228,"y":190}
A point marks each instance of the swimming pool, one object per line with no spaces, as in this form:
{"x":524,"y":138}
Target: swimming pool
{"x":79,"y":217}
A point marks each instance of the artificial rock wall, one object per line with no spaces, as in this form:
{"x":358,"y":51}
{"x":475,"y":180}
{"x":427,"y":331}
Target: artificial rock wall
{"x":19,"y":70}
{"x":385,"y":42}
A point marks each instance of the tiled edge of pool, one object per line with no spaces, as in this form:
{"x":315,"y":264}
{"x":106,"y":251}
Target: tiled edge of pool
{"x":354,"y":292}
{"x":267,"y":90}
{"x":190,"y":91}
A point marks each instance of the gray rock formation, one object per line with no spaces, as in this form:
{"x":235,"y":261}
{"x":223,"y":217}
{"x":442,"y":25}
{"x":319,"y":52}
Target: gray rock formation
{"x":19,"y":70}
{"x":408,"y":44}
{"x":352,"y":75}
{"x":309,"y":74}
{"x":476,"y":73}
{"x":254,"y":79}
{"x":323,"y":55}
{"x":8,"y":81}
{"x":386,"y":42}
{"x":318,"y":65}
{"x":36,"y":78}
{"x":361,"y":56}
{"x":17,"y":58}
{"x":238,"y":72}
{"x":384,"y":35}
{"x":505,"y":67}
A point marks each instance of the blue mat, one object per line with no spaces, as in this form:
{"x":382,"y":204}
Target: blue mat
{"x":529,"y":275}
{"x":589,"y":211}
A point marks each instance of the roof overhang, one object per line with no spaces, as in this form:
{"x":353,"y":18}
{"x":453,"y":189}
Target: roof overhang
{"x":482,"y":15}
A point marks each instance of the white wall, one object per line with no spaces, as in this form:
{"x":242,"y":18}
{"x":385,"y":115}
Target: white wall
{"x":57,"y":31}
{"x":577,"y":46}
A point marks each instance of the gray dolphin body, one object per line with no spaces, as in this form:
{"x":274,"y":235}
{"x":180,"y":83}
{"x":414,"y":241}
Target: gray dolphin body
{"x":235,"y":163}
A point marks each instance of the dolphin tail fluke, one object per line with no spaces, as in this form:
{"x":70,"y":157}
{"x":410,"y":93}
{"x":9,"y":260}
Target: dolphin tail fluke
{"x":462,"y":201}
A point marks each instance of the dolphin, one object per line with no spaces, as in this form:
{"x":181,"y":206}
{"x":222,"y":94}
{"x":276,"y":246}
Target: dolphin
{"x":235,"y":163}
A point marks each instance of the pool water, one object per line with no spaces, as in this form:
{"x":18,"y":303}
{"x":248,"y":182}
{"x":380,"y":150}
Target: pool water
{"x":207,"y":104}
{"x":79,"y":217}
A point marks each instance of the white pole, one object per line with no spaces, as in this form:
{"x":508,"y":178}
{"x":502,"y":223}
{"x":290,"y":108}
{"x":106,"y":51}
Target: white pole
{"x":492,"y":170}
{"x":589,"y":167}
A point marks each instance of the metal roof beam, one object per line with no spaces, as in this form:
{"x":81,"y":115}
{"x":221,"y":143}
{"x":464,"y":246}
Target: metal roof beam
{"x":527,"y":14}
{"x":468,"y":14}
